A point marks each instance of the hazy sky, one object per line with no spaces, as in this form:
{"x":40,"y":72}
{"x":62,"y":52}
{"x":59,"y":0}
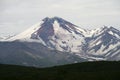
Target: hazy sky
{"x":18,"y":15}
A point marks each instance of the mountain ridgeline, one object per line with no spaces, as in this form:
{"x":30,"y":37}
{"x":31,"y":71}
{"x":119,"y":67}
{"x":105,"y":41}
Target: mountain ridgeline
{"x":55,"y":41}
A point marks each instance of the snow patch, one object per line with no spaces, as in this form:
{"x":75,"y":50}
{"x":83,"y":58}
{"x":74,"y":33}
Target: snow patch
{"x":26,"y":34}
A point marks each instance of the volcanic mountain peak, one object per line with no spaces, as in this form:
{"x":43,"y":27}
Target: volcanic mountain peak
{"x":57,"y":33}
{"x":60,"y":35}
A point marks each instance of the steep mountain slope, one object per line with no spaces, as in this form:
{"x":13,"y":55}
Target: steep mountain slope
{"x":59,"y":34}
{"x":55,"y":41}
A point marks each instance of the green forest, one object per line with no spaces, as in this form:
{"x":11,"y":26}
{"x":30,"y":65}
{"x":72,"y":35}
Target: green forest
{"x":98,"y":70}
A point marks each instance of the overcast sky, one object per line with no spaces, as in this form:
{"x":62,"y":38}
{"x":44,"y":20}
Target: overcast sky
{"x":18,"y":15}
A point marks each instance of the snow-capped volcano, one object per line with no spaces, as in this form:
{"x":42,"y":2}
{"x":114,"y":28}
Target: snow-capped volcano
{"x":59,"y":34}
{"x":55,"y":33}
